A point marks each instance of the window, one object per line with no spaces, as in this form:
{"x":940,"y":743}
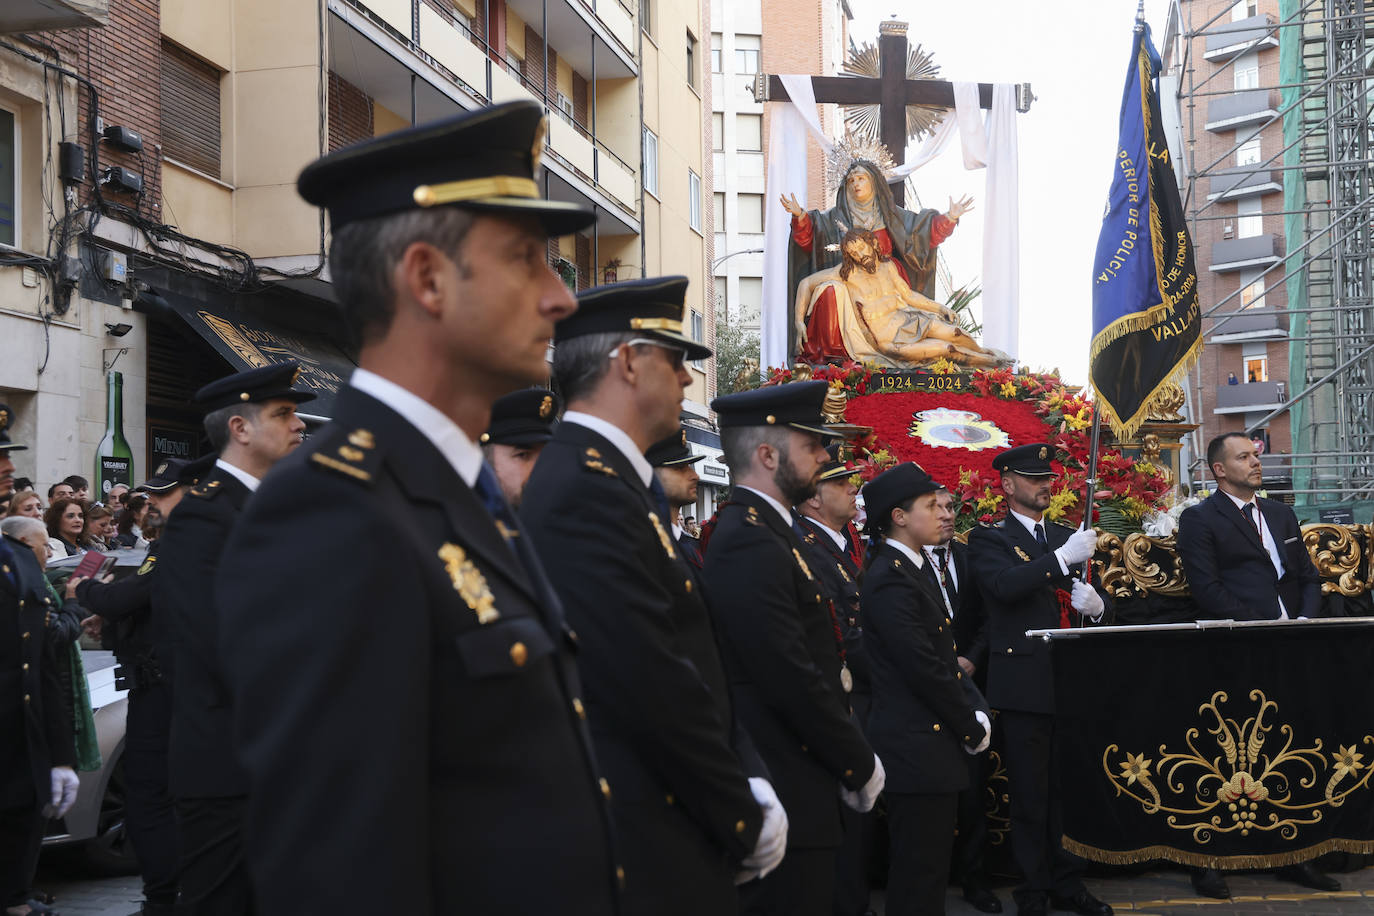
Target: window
{"x":715,"y":52}
{"x":694,"y":200}
{"x":749,"y":208}
{"x":462,"y":20}
{"x":9,"y":178}
{"x":1246,"y":74}
{"x":1252,"y":295}
{"x":717,"y":131}
{"x":749,"y":132}
{"x":698,"y":326}
{"x":1248,"y":153}
{"x":691,"y":59}
{"x":190,"y":110}
{"x":750,"y":299}
{"x":565,"y":107}
{"x":514,"y":65}
{"x":1256,"y":369}
{"x":1244,"y":9}
{"x":1249,"y":220}
{"x":721,"y":297}
{"x":719,"y":201}
{"x":650,"y":162}
{"x":646,"y":17}
{"x":747,"y":53}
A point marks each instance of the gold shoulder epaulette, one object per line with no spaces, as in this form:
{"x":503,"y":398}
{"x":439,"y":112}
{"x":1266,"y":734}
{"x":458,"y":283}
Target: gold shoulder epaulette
{"x":751,"y":516}
{"x":595,"y":464}
{"x":352,"y":454}
{"x":206,"y":490}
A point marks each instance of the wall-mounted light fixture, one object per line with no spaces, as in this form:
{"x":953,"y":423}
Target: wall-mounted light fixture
{"x":117,"y":330}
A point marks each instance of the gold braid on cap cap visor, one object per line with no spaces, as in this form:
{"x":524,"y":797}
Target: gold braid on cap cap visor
{"x":452,"y":192}
{"x":656,"y":324}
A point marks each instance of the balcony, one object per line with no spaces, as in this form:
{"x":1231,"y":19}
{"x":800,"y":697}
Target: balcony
{"x":1226,"y":40}
{"x":1242,"y":181}
{"x":1240,"y":109}
{"x":1250,"y":396}
{"x":443,"y":69}
{"x":51,"y":15}
{"x":1248,"y":324}
{"x":598,"y":37}
{"x":1235,"y":254}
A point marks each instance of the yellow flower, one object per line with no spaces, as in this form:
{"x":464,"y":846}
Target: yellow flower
{"x":1134,"y":507}
{"x":965,"y":477}
{"x":1146,"y":467}
{"x":1059,"y":504}
{"x":943,"y":366}
{"x":1080,"y":420}
{"x":1135,"y":767}
{"x":1007,"y":389}
{"x":1347,"y":761}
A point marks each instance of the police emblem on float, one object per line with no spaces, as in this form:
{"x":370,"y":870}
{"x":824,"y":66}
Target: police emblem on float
{"x":946,"y":428}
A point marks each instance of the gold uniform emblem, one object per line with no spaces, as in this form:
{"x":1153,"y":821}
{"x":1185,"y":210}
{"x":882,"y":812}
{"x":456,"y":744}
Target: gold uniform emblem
{"x":469,"y":583}
{"x":663,"y":537}
{"x":802,"y":563}
{"x":362,"y":438}
{"x":1044,"y":453}
{"x":1022,"y":554}
{"x":147,"y":566}
{"x":545,"y":408}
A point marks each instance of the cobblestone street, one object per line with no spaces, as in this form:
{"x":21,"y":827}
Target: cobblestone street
{"x":1153,"y":892}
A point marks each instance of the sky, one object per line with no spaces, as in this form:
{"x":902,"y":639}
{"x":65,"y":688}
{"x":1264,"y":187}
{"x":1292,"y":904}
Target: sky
{"x":1074,"y":53}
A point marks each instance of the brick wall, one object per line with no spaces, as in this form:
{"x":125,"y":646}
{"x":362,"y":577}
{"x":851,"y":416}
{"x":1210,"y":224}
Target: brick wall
{"x":533,"y":68}
{"x":124,"y":63}
{"x":579,"y":100}
{"x":350,"y":113}
{"x":586,"y":275}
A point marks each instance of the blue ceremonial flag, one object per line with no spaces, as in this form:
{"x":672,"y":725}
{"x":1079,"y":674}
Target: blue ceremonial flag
{"x":1146,"y":321}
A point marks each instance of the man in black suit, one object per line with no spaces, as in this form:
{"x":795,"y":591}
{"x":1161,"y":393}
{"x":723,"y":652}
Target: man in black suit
{"x":522,"y":423}
{"x":1026,"y":570}
{"x":672,"y":461}
{"x":782,"y":648}
{"x":252,"y":424}
{"x":406,"y":704}
{"x":948,"y":571}
{"x":37,"y":751}
{"x":825,"y":525}
{"x":690,"y":805}
{"x":1244,"y":559}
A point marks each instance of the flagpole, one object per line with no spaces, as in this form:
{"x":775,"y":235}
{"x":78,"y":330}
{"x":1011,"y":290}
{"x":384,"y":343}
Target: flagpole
{"x":1090,"y":497}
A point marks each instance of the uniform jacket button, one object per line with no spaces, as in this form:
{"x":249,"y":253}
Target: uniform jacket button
{"x":518,"y":654}
{"x":1008,"y":650}
{"x":605,"y":787}
{"x":579,"y":708}
{"x":741,"y":826}
{"x":849,"y":772}
{"x":936,"y":727}
{"x":805,"y":749}
{"x":620,"y":876}
{"x":958,"y":675}
{"x":26,"y":698}
{"x":668,"y":798}
{"x":687,"y":584}
{"x":26,"y":666}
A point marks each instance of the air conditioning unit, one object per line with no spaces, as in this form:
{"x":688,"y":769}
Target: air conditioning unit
{"x":1227,"y":231}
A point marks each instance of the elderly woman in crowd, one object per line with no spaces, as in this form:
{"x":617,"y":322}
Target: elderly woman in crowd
{"x":26,"y":503}
{"x":99,"y":529}
{"x":66,"y":521}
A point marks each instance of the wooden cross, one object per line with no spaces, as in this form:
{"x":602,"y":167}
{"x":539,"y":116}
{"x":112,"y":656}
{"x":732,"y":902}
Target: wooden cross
{"x":892,"y":91}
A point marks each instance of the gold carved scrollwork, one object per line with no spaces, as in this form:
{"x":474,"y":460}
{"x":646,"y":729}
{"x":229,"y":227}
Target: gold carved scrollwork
{"x":1239,"y":787}
{"x":1111,"y":572}
{"x":1153,"y":565}
{"x":996,"y":800}
{"x":1337,"y":554}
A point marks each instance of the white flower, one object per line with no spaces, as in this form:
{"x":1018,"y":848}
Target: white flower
{"x":1160,"y":524}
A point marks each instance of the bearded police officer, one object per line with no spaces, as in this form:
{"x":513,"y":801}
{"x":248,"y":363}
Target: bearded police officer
{"x":782,"y":647}
{"x":673,"y":462}
{"x":1026,"y":567}
{"x":690,"y":802}
{"x":408,"y":712}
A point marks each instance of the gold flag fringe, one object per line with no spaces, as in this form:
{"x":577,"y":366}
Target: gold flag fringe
{"x":1228,"y":863}
{"x":1125,"y":428}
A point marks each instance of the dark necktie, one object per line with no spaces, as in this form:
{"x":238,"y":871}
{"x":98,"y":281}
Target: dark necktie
{"x":1249,"y":510}
{"x":488,"y":490}
{"x":942,"y":560}
{"x":1040,"y":537}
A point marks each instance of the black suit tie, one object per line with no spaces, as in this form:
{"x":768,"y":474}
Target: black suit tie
{"x":1040,"y":537}
{"x":1249,"y":510}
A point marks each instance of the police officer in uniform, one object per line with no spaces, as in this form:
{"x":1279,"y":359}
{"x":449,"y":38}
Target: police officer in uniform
{"x":406,"y":703}
{"x":691,"y":805}
{"x":782,"y":648}
{"x":672,"y":461}
{"x":1023,"y":564}
{"x":37,"y":752}
{"x":126,"y":606}
{"x":522,"y":423}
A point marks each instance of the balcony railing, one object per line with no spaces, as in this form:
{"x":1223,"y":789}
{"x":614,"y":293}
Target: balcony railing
{"x":1240,"y":109}
{"x":1255,"y":251}
{"x":1227,"y":39}
{"x":1252,"y":323}
{"x":1242,"y":181}
{"x":1250,"y":396}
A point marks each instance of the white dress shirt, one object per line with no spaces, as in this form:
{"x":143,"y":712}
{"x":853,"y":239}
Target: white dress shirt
{"x":912,"y":555}
{"x":245,"y":478}
{"x":464,"y":455}
{"x":1271,"y":545}
{"x":617,"y":437}
{"x":929,"y":550}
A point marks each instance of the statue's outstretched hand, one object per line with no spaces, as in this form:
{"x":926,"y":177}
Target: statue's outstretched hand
{"x":958,"y":208}
{"x":789,"y":203}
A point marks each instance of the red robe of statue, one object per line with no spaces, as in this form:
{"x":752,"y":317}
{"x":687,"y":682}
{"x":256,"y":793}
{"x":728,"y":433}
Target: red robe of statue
{"x":823,"y":340}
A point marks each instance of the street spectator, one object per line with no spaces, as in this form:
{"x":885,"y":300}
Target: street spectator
{"x":129,"y":522}
{"x":26,"y":503}
{"x":61,"y":490}
{"x":116,"y":497}
{"x":66,"y":522}
{"x":99,"y":527}
{"x":81,"y":488}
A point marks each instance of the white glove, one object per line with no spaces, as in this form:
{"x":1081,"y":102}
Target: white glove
{"x":1079,"y":548}
{"x":863,"y":800}
{"x":1087,"y":601}
{"x":772,"y":841}
{"x":64,"y":786}
{"x":983,"y":720}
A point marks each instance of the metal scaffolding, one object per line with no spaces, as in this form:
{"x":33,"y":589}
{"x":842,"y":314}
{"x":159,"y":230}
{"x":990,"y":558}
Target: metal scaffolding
{"x":1326,"y":84}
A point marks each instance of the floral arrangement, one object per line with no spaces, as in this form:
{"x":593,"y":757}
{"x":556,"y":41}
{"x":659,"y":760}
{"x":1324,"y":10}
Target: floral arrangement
{"x":1028,"y":407}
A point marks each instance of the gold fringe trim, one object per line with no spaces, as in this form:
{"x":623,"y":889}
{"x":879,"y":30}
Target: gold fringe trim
{"x":1156,"y":227}
{"x":1173,"y":854}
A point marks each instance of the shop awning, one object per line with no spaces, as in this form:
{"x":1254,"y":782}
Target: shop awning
{"x":250,"y":342}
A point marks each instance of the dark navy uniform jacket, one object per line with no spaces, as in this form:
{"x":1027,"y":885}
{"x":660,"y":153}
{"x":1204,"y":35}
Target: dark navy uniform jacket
{"x":201,"y":761}
{"x":1019,"y":580}
{"x":658,"y":700}
{"x":840,"y":577}
{"x":405,"y":699}
{"x":784,"y":665}
{"x":923,"y":705}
